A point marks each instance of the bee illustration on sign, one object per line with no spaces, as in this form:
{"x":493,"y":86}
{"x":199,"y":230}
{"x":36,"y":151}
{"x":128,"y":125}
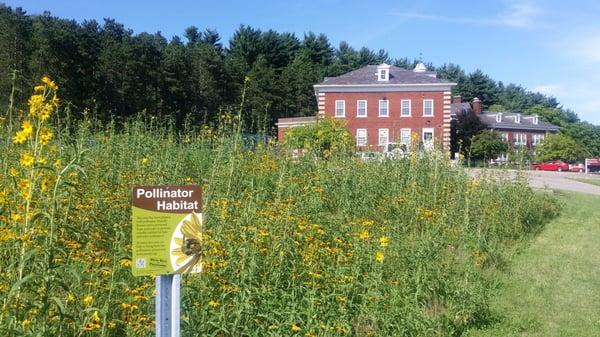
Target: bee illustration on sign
{"x":186,"y":245}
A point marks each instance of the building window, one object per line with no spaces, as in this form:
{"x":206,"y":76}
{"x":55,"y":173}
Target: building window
{"x":383,"y":75}
{"x":520,"y":138}
{"x":383,"y":137}
{"x":499,"y":118}
{"x":383,"y":108}
{"x":428,"y":138}
{"x":535,"y":119}
{"x":361,"y":137}
{"x":405,"y":136}
{"x":427,"y":108}
{"x":518,"y":118}
{"x":536,"y":139}
{"x":340,"y":108}
{"x":361,"y":108}
{"x":504,"y":136}
{"x":405,"y":108}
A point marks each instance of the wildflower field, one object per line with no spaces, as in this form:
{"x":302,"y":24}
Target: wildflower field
{"x":292,"y":247}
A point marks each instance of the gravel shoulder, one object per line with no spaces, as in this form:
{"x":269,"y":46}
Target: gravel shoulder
{"x":566,"y":181}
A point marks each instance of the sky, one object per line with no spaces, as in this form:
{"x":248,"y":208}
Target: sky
{"x":550,"y":46}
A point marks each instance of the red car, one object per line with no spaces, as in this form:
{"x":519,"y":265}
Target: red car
{"x":551,"y":166}
{"x":579,"y":167}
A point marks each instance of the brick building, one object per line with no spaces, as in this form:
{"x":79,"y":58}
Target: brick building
{"x":515,"y":128}
{"x":384,"y":104}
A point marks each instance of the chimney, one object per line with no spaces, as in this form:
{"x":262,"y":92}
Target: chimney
{"x":456,"y":99}
{"x":476,"y":105}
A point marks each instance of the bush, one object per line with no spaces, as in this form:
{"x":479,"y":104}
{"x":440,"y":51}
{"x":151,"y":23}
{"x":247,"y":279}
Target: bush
{"x":326,"y":137}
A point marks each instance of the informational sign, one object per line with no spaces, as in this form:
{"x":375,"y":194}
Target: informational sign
{"x":167,"y":230}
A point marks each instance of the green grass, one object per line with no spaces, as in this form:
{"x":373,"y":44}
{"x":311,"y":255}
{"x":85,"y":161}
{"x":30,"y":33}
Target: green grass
{"x":553,"y":287}
{"x":593,"y":181}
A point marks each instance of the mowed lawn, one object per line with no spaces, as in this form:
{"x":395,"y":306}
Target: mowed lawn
{"x":593,"y":181}
{"x":552,"y":287}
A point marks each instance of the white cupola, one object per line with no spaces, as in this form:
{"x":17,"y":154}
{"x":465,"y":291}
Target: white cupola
{"x":420,"y":68}
{"x":383,"y":72}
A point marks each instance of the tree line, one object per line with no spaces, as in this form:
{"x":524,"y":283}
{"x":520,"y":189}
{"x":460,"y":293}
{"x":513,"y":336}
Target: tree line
{"x":106,"y":70}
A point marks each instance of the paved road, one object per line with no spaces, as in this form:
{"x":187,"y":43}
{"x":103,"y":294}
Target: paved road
{"x":544,"y":179}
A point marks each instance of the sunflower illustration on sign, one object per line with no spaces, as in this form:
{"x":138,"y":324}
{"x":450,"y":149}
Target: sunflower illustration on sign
{"x":186,"y":245}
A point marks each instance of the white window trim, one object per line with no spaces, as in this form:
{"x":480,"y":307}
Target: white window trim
{"x":427,"y":130}
{"x":366,"y":109}
{"x":366,"y":137}
{"x":409,"y":136}
{"x":387,"y":131}
{"x":520,"y":138}
{"x":343,"y":108}
{"x":387,"y":106}
{"x":432,"y":109}
{"x":409,"y":108}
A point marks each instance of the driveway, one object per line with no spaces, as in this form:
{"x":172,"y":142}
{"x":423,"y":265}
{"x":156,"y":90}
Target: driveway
{"x":544,"y":179}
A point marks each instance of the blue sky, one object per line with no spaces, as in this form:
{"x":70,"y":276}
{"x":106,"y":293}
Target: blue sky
{"x":549,"y":46}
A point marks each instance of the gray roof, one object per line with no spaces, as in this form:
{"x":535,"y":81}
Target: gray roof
{"x":457,"y":108}
{"x":508,"y":122}
{"x":368,"y":75}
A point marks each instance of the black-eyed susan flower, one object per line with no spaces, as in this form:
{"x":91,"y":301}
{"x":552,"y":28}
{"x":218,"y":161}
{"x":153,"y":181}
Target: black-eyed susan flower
{"x":188,"y":252}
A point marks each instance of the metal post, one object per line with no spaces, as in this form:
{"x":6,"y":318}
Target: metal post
{"x":167,"y":305}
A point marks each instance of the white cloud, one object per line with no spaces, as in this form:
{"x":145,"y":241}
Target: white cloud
{"x":555,"y":89}
{"x":517,"y":14}
{"x":581,"y":97}
{"x":585,"y":46}
{"x":520,"y":14}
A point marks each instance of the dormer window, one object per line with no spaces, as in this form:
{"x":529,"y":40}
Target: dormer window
{"x":383,"y":72}
{"x":535,"y":120}
{"x":499,"y":118}
{"x":518,"y":118}
{"x":383,"y":75}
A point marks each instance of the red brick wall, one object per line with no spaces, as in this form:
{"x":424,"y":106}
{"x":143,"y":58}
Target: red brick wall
{"x":511,"y":135}
{"x":394,"y":122}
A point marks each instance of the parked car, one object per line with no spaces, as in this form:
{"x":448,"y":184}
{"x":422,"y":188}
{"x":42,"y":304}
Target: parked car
{"x":395,"y":150}
{"x":551,"y":166}
{"x":578,"y":167}
{"x":369,"y":156}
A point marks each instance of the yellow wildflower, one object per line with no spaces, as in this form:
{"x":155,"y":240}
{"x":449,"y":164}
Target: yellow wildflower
{"x":144,"y":161}
{"x":24,"y":186}
{"x":47,"y":81}
{"x":213,"y":303}
{"x":20,"y":137}
{"x":379,"y":257}
{"x":35,"y":104}
{"x":13,"y":172}
{"x":26,"y":159}
{"x":27,"y":128}
{"x":296,"y":328}
{"x":88,"y":300}
{"x":45,"y":136}
{"x":364,"y":235}
{"x":26,"y":323}
{"x":384,"y":241}
{"x":126,"y":262}
{"x":70,"y":297}
{"x":39,"y":88}
{"x":46,"y":111}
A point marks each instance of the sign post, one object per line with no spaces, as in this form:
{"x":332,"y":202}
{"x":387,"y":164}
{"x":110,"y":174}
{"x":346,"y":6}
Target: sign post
{"x":167,"y":305}
{"x":167,"y":241}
